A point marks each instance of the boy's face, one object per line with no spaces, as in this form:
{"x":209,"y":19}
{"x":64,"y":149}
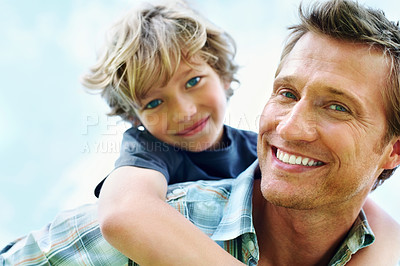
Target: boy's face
{"x":189,"y":111}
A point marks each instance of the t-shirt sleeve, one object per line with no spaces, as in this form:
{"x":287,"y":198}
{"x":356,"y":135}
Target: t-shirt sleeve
{"x":141,"y":149}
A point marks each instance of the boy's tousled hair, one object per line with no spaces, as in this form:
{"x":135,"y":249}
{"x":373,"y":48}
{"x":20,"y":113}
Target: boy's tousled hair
{"x":347,"y":20}
{"x":144,"y":50}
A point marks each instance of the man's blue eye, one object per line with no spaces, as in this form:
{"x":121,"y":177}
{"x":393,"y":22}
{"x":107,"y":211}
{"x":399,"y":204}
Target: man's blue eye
{"x":153,"y":104}
{"x":288,"y":94}
{"x":337,"y":107}
{"x":192,"y":82}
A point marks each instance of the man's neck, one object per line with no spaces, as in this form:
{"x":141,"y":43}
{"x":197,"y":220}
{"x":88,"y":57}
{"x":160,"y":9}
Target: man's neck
{"x":298,"y":237}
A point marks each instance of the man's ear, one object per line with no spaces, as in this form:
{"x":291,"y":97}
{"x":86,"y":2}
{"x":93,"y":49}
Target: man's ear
{"x":394,"y":157}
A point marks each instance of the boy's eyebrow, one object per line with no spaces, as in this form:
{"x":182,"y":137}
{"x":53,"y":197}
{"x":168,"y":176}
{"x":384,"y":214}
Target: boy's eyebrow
{"x":185,"y":71}
{"x":188,"y":71}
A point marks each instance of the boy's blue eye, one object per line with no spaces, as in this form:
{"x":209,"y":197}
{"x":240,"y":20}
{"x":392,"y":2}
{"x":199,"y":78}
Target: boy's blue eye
{"x":153,"y":104}
{"x":288,"y":94}
{"x":192,"y":82}
{"x":338,"y":107}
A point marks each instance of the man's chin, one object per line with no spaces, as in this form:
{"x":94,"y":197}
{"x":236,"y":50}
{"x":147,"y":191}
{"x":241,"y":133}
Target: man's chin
{"x":289,"y":201}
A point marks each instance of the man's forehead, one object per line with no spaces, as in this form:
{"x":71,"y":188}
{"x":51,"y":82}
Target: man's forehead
{"x":313,"y":45}
{"x":336,"y":57}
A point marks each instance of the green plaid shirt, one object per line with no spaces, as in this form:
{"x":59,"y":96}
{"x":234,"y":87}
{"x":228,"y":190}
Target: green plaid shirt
{"x":221,"y":209}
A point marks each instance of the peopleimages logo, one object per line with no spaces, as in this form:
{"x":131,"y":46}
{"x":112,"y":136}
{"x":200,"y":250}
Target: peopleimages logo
{"x":103,"y":134}
{"x":104,"y":146}
{"x":103,"y":125}
{"x":106,"y":125}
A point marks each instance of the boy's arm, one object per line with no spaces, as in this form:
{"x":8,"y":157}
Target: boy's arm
{"x":386,"y":248}
{"x":136,"y":220}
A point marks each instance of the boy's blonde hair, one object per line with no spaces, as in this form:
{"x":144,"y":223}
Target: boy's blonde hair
{"x":144,"y":51}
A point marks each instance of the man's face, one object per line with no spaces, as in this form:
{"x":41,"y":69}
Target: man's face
{"x":321,"y":133}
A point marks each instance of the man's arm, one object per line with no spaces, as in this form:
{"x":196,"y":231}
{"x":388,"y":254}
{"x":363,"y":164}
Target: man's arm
{"x":136,"y":220}
{"x":386,"y":248}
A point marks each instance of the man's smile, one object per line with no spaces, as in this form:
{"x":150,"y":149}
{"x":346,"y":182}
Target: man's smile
{"x":288,"y":158}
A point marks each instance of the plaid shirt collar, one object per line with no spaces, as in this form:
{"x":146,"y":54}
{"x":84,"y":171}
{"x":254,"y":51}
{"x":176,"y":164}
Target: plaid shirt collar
{"x":233,"y":227}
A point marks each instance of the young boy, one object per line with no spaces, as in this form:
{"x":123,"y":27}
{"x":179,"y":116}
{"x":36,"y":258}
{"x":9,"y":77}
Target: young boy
{"x":168,"y":70}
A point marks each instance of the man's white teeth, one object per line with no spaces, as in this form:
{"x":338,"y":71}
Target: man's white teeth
{"x":293,"y":159}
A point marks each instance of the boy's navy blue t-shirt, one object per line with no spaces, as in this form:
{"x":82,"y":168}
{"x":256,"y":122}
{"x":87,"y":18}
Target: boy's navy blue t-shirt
{"x":141,"y":149}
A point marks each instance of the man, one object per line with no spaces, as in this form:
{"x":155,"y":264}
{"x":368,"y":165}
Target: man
{"x":330,"y":131}
{"x":328,"y":136}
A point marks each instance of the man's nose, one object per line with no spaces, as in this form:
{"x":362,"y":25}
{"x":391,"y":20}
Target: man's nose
{"x":299,"y":124}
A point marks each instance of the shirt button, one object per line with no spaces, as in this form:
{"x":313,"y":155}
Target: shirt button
{"x":250,"y":246}
{"x":177,"y":191}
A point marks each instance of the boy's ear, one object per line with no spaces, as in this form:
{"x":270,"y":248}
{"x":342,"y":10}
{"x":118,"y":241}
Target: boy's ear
{"x":394,"y":157}
{"x":226,"y":84}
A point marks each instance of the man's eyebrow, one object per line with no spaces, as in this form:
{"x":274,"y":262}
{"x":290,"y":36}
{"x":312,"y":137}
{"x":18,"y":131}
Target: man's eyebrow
{"x":348,"y":96}
{"x":337,"y":92}
{"x":285,"y":79}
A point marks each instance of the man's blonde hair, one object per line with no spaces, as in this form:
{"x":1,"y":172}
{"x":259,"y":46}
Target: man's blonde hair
{"x":144,"y":50}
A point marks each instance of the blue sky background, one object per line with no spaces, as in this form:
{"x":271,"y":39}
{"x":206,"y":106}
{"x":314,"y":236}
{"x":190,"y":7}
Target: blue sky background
{"x":56,"y":142}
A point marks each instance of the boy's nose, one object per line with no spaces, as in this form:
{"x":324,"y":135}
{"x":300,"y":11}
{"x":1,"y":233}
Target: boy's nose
{"x":183,"y":110}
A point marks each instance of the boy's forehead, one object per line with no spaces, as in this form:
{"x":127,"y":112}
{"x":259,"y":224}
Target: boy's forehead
{"x":195,"y":60}
{"x":192,"y":65}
